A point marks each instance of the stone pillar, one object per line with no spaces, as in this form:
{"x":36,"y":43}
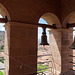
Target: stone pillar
{"x":55,"y":50}
{"x":7,"y":49}
{"x":20,"y":49}
{"x":60,"y":40}
{"x":66,"y":38}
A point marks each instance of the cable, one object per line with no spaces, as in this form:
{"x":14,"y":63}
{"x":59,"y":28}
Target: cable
{"x":19,"y":62}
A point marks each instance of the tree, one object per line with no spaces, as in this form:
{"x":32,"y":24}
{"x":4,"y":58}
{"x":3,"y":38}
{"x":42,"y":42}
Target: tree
{"x":1,"y":48}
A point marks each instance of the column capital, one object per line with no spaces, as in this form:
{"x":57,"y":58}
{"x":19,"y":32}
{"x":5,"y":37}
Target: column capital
{"x":60,"y":30}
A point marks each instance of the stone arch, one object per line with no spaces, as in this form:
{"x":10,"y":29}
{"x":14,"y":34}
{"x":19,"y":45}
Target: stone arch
{"x":54,"y":43}
{"x":51,"y":18}
{"x":4,"y":12}
{"x":69,"y":19}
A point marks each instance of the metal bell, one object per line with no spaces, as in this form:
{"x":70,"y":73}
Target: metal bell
{"x":44,"y":37}
{"x":73,"y":44}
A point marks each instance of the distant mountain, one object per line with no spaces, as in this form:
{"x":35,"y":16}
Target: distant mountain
{"x":2,"y":35}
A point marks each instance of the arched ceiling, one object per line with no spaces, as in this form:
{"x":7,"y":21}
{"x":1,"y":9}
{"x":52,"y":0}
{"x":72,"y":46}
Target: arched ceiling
{"x":51,"y":19}
{"x":69,"y":19}
{"x":30,"y":10}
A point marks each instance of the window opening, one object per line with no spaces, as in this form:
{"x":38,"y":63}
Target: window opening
{"x":2,"y":37}
{"x":73,"y":50}
{"x":43,"y":52}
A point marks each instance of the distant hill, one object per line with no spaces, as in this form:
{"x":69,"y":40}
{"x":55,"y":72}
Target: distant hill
{"x":2,"y":35}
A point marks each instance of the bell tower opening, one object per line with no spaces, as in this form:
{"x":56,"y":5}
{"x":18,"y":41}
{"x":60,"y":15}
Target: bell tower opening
{"x":43,"y":51}
{"x":2,"y":38}
{"x":73,"y":49}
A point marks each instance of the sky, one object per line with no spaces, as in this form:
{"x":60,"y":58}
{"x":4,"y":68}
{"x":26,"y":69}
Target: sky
{"x":73,"y":32}
{"x":1,"y":25}
{"x":42,"y":21}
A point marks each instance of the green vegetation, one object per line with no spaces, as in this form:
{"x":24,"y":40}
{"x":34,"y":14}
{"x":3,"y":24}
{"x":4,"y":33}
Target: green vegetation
{"x":2,"y":61}
{"x":1,"y":39}
{"x":1,"y":48}
{"x":1,"y":73}
{"x":41,"y":68}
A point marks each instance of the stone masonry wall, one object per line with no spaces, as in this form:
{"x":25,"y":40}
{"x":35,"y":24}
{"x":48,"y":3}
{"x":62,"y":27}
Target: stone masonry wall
{"x":60,"y":41}
{"x":67,"y":37}
{"x":22,"y":49}
{"x":55,"y":50}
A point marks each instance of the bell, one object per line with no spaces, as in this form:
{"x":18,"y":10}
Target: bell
{"x":44,"y":37}
{"x":73,"y":44}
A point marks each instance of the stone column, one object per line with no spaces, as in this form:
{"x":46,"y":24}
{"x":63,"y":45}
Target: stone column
{"x":55,"y":50}
{"x":60,"y":40}
{"x":20,"y":49}
{"x":66,"y":38}
{"x":7,"y":49}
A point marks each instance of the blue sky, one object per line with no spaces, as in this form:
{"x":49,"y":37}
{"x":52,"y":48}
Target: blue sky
{"x":42,"y":21}
{"x":1,"y":25}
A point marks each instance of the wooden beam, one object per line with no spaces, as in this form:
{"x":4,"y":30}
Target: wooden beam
{"x":72,"y":62}
{"x":72,"y":56}
{"x":72,"y":69}
{"x":53,"y":26}
{"x":47,"y":26}
{"x":70,"y":25}
{"x":4,"y":20}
